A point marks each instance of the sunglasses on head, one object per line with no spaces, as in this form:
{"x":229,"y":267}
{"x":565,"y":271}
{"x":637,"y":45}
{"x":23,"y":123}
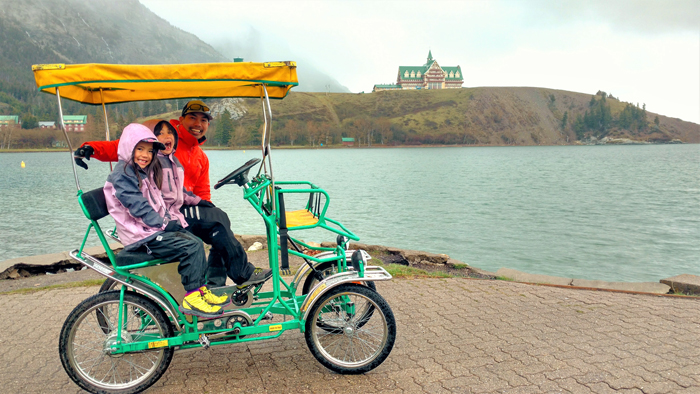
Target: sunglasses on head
{"x":196,"y":107}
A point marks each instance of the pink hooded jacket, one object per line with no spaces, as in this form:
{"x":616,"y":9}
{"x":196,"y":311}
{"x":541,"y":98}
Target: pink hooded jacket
{"x":140,"y":213}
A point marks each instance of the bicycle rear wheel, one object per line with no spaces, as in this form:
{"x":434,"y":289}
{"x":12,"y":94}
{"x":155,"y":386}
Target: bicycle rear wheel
{"x":92,"y":327}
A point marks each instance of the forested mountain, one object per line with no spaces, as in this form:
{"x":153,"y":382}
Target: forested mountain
{"x":82,"y":31}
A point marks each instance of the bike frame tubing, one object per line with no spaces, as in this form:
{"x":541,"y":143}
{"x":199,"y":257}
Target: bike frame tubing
{"x":266,"y":138}
{"x":70,"y":146}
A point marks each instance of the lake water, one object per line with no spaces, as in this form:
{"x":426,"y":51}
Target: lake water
{"x":617,"y":213}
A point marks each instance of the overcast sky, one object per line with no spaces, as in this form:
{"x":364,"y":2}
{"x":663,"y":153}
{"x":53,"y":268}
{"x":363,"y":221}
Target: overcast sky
{"x":641,"y":51}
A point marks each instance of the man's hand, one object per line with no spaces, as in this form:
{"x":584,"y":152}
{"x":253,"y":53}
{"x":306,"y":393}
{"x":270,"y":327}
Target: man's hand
{"x":84,"y":151}
{"x":205,"y":203}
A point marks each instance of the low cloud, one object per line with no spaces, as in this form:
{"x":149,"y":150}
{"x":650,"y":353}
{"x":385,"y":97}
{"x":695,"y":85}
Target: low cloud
{"x":254,"y":47}
{"x":644,"y":16}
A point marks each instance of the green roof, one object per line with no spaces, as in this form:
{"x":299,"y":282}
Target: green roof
{"x":416,"y":69}
{"x":348,"y":139}
{"x":8,"y":118}
{"x":455,"y":70}
{"x":388,"y":86}
{"x":75,"y":119}
{"x":423,"y":69}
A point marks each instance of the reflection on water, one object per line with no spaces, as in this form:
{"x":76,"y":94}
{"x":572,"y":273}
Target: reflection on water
{"x":628,"y":213}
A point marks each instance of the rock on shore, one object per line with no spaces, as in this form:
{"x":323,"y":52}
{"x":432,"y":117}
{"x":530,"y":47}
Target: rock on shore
{"x":683,"y":284}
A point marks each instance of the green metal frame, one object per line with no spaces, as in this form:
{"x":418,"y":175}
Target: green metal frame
{"x":281,"y":300}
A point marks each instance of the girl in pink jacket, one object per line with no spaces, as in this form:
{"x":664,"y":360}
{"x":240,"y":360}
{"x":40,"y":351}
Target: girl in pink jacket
{"x":144,"y":222}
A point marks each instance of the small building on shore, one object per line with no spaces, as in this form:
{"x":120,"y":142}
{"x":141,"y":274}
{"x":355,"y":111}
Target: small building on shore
{"x":47,"y":125}
{"x":428,"y":76}
{"x":9,"y":120}
{"x":75,"y":123}
{"x":348,"y":141}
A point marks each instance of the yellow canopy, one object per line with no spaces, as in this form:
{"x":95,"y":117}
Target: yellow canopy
{"x":123,"y":83}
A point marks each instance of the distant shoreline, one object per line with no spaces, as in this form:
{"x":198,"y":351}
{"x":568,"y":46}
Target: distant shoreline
{"x":287,"y":147}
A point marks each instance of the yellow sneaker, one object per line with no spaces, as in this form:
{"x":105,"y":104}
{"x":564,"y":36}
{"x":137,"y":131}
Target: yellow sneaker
{"x":195,"y":304}
{"x":212,"y":298}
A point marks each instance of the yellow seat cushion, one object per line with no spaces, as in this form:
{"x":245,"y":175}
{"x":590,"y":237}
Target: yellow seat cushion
{"x":301,"y":217}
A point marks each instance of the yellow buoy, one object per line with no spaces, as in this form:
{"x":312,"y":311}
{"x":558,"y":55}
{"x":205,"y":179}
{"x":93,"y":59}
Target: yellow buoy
{"x":22,"y":164}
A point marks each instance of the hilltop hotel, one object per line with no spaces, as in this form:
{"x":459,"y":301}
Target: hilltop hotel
{"x":428,"y":76}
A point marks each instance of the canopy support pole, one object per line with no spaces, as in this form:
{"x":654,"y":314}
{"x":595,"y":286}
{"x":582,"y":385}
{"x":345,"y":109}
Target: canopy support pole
{"x":70,"y":146}
{"x":267,"y":136}
{"x":104,"y":110}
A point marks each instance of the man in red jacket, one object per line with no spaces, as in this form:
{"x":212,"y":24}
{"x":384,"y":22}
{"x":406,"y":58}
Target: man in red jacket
{"x":206,"y":221}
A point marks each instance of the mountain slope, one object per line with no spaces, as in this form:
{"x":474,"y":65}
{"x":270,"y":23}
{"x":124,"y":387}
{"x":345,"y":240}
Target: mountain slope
{"x":484,"y":116}
{"x":86,"y":31}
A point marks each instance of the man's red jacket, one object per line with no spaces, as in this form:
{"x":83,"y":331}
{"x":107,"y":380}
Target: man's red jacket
{"x":193,"y":159}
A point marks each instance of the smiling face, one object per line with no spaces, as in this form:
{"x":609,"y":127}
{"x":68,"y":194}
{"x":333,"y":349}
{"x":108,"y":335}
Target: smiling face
{"x":167,"y":137}
{"x":143,"y":154}
{"x":196,"y":123}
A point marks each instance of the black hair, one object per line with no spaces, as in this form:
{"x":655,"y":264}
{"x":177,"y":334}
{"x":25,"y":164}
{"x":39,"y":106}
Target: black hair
{"x":159,"y":127}
{"x":153,"y":167}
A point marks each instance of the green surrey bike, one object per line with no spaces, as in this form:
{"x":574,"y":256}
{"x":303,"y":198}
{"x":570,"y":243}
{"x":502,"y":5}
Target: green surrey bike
{"x":122,"y":339}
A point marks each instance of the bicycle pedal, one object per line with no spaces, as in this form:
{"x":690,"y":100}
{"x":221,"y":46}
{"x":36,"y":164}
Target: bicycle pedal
{"x":204,"y":341}
{"x":218,"y":291}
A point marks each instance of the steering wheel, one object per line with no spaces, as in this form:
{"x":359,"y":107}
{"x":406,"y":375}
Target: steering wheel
{"x":239,"y":176}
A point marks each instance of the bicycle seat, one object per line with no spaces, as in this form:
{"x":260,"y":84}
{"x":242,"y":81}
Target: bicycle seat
{"x":95,"y":204}
{"x":301,"y":217}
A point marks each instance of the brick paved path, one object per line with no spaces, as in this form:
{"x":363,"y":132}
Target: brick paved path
{"x":455,"y":336}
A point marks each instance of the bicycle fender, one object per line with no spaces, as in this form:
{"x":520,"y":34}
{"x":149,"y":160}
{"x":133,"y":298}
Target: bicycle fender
{"x":372,"y":273}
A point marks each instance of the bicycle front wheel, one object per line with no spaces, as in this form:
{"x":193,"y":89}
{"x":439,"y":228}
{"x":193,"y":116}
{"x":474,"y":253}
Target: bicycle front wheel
{"x":351,"y":329}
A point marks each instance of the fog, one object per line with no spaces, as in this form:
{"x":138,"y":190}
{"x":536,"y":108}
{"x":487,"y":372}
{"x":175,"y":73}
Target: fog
{"x":253,"y":46}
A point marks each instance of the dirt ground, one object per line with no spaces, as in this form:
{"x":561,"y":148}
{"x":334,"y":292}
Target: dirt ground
{"x":258,"y":258}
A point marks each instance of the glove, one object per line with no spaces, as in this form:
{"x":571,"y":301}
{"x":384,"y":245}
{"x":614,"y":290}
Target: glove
{"x":173,"y":226}
{"x":205,"y":203}
{"x":84,"y":151}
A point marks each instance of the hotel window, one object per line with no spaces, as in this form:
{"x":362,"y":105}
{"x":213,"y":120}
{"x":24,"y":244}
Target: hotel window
{"x":457,"y":74}
{"x":405,"y":75}
{"x":418,"y":74}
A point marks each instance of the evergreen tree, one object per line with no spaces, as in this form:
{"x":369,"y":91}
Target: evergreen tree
{"x":130,"y":117}
{"x":564,"y":120}
{"x":580,"y":126}
{"x":147,"y":108}
{"x":224,"y":128}
{"x":29,"y":121}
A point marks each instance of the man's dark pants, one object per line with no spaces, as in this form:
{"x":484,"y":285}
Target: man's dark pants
{"x":227,"y":256}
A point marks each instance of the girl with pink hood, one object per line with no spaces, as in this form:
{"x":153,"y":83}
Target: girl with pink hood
{"x":144,"y":223}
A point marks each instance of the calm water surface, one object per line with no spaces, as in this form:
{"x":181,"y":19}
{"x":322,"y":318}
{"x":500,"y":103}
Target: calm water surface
{"x":619,"y":213}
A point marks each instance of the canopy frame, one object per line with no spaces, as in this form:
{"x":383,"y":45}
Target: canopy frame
{"x":143,"y":83}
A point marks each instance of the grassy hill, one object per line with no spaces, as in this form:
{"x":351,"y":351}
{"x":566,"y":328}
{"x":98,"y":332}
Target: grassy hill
{"x":472,"y":116}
